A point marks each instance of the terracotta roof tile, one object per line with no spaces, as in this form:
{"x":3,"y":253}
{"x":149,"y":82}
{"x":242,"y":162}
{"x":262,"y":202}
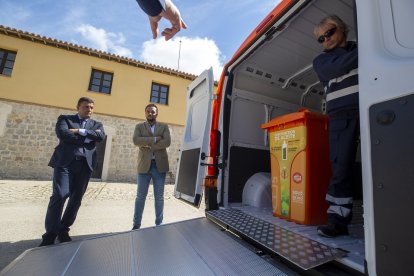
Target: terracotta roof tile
{"x":92,"y":52}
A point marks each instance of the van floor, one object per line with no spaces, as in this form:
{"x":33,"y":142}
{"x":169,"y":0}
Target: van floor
{"x":353,"y":245}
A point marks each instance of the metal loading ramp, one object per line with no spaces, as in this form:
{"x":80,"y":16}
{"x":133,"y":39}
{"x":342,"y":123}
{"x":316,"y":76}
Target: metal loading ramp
{"x":301,"y":251}
{"x":193,"y":247}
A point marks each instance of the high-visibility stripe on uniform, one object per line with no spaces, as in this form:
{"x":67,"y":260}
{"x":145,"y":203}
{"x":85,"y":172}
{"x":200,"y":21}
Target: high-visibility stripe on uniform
{"x":339,"y":200}
{"x":353,"y":72}
{"x":342,"y":93}
{"x":339,"y":210}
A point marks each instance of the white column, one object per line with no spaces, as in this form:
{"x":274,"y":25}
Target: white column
{"x":5,"y":111}
{"x":110,"y":133}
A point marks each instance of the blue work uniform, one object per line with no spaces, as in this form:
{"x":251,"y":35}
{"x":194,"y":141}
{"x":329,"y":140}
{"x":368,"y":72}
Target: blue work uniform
{"x":337,"y":69}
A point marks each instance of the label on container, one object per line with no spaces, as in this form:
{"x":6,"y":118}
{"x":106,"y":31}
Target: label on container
{"x":285,"y":145}
{"x":297,"y":177}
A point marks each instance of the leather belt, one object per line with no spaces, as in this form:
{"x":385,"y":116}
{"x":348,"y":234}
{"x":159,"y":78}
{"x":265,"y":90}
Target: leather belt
{"x":77,"y":157}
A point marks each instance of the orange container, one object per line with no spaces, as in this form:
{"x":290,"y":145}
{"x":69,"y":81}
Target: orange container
{"x":300,"y":167}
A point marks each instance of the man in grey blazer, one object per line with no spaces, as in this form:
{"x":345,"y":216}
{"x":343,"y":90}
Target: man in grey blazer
{"x":73,"y":161}
{"x":153,"y":139}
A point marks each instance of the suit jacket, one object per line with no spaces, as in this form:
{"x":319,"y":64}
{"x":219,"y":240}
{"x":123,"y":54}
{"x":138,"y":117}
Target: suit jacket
{"x":144,"y":139}
{"x":69,"y":142}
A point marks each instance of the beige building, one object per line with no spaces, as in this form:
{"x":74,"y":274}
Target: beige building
{"x":41,"y":78}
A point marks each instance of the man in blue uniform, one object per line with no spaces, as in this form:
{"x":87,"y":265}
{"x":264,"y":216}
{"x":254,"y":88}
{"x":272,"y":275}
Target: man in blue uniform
{"x":337,"y":69}
{"x":156,"y":9}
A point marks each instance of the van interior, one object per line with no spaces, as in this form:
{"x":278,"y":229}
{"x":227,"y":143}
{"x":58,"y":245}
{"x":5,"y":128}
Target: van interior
{"x":273,"y":78}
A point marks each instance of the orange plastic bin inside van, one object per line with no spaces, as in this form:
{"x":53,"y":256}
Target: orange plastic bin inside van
{"x":300,"y":168}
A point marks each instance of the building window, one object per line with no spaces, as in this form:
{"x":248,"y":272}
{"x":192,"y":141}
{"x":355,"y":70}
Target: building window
{"x":101,"y":81}
{"x":159,"y":93}
{"x":7,"y":61}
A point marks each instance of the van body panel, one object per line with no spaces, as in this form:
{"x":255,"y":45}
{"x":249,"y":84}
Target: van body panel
{"x":271,"y":74}
{"x":392,"y":169}
{"x":386,"y":84}
{"x":194,"y":149}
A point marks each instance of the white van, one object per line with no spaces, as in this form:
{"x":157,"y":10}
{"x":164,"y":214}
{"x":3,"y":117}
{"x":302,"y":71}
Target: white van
{"x":224,"y":148}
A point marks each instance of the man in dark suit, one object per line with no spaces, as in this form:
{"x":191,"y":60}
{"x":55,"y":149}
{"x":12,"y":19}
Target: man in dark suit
{"x":73,"y":161}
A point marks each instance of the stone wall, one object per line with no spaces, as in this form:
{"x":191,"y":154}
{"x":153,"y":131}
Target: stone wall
{"x":27,"y":140}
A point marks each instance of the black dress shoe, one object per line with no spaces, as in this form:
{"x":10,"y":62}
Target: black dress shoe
{"x":64,"y":237}
{"x":48,"y":239}
{"x":135,"y":227}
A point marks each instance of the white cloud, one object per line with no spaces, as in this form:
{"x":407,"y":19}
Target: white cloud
{"x":13,"y":15}
{"x":196,"y":55}
{"x":73,"y":16}
{"x":103,"y":40}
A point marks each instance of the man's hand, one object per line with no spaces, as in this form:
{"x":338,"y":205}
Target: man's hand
{"x":157,"y":139}
{"x":172,"y":14}
{"x":76,"y":130}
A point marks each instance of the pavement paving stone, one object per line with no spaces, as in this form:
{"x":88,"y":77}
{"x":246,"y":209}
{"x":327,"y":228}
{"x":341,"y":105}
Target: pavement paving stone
{"x":106,"y":208}
{"x":14,"y":190}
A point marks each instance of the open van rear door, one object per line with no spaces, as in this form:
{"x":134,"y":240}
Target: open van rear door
{"x":190,"y":174}
{"x":387,"y":102}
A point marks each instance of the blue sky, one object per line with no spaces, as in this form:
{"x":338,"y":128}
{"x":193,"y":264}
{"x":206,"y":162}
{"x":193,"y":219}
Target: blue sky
{"x":216,"y":28}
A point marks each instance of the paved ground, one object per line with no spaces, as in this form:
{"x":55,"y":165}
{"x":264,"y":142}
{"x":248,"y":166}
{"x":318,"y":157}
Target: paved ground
{"x":106,"y":208}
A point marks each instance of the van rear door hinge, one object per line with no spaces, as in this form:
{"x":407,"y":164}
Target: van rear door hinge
{"x":219,"y":165}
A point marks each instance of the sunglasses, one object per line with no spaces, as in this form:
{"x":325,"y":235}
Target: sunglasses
{"x":326,"y":35}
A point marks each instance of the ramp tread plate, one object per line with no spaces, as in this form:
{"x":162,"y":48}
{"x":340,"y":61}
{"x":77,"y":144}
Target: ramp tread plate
{"x":303,"y":252}
{"x":45,"y":261}
{"x":193,"y":247}
{"x":224,"y":253}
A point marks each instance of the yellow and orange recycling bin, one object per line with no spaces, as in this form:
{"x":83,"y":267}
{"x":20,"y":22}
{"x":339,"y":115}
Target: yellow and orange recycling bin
{"x":300,"y":167}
